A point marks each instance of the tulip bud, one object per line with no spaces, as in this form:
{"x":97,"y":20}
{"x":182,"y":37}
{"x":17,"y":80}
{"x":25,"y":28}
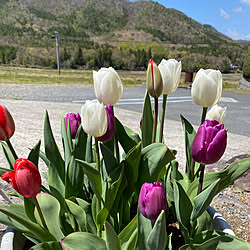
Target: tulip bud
{"x":74,"y":121}
{"x":94,"y":118}
{"x":152,"y":200}
{"x":108,"y":86}
{"x":111,"y":124}
{"x":207,"y":87}
{"x":7,"y":125}
{"x":25,"y":179}
{"x":154,"y":80}
{"x":216,"y":113}
{"x":171,"y":74}
{"x":209,"y":143}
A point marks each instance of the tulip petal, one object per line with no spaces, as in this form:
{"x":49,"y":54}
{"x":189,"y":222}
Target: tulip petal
{"x":197,"y":148}
{"x":217,"y":147}
{"x":10,"y":178}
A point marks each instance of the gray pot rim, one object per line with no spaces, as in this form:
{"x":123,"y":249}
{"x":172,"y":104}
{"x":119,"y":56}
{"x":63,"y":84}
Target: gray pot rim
{"x":218,"y":223}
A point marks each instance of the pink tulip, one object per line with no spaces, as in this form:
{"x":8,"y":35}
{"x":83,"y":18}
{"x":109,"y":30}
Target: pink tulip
{"x":74,"y":121}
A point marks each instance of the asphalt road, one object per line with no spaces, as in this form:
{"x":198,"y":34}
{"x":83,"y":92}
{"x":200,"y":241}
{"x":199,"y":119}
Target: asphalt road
{"x":237,"y":119}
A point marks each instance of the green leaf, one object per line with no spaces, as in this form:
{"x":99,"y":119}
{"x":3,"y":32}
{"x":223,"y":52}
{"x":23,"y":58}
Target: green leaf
{"x":74,"y":178}
{"x":154,"y":157}
{"x":144,"y":226}
{"x":226,"y":241}
{"x":34,"y":154}
{"x":29,"y":208}
{"x":83,"y":241}
{"x":204,"y":222}
{"x":132,"y":163}
{"x":112,"y":239}
{"x":79,"y":151}
{"x":67,"y":142}
{"x":16,"y":212}
{"x":109,"y":160}
{"x":189,"y":134}
{"x":127,"y":137}
{"x":202,"y":200}
{"x":52,"y":151}
{"x":56,"y":184}
{"x":183,"y":212}
{"x":79,"y":215}
{"x":50,"y":208}
{"x":147,"y":121}
{"x":128,"y":235}
{"x":93,"y":176}
{"x":8,"y":155}
{"x":227,"y":177}
{"x":51,"y":245}
{"x":158,"y":237}
{"x":90,"y":225}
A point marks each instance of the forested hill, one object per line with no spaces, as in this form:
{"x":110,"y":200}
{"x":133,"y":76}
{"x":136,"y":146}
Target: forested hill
{"x":133,"y":26}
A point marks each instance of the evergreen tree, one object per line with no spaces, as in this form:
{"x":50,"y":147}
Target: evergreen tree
{"x":246,"y":65}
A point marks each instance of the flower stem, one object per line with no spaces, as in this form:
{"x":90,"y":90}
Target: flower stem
{"x":117,"y":153}
{"x":99,"y":231}
{"x":202,"y":170}
{"x":163,"y":117}
{"x":39,"y":212}
{"x":155,"y":120}
{"x":204,"y":112}
{"x":11,"y":149}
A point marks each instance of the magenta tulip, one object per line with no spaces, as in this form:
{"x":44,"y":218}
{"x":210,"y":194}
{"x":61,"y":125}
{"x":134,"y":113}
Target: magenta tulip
{"x":74,"y":121}
{"x":25,"y":179}
{"x":152,"y":200}
{"x":209,"y":143}
{"x":111,"y":124}
{"x":7,"y":125}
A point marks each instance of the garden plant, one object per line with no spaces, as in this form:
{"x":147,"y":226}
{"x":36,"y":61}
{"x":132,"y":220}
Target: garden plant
{"x":115,"y":188}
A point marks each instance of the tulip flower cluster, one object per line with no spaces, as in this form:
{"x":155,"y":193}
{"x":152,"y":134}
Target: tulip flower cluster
{"x":93,"y":189}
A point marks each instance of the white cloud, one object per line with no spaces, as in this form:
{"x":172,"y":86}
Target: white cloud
{"x":247,"y":2}
{"x":238,"y":9}
{"x":236,"y":35}
{"x":224,"y":14}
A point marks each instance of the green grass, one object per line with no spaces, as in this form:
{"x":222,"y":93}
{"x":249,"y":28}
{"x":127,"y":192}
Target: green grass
{"x":67,"y":76}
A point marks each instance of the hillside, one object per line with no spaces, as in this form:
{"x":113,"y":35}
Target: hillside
{"x":86,"y":27}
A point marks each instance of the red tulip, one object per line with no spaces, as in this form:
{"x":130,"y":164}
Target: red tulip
{"x":7,"y":125}
{"x":25,"y":179}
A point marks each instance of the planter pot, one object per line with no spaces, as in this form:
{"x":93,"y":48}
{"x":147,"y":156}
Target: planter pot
{"x":14,"y":240}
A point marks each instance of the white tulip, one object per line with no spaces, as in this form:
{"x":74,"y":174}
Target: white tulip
{"x":171,"y":74}
{"x":108,"y":86}
{"x":207,"y":87}
{"x":216,"y":113}
{"x":94,"y":118}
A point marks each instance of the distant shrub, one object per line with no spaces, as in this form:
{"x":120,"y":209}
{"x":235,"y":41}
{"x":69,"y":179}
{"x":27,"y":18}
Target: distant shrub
{"x":246,"y":65}
{"x":7,"y":54}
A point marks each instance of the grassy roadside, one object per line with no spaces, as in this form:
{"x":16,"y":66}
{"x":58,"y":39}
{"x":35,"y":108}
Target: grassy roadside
{"x":67,"y":76}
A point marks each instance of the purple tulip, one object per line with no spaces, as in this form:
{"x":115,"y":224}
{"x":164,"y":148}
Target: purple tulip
{"x":74,"y":121}
{"x":210,"y":142}
{"x":152,"y":200}
{"x":111,"y":124}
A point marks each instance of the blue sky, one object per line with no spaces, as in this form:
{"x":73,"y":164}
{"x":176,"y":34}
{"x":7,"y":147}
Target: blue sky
{"x":230,"y":17}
